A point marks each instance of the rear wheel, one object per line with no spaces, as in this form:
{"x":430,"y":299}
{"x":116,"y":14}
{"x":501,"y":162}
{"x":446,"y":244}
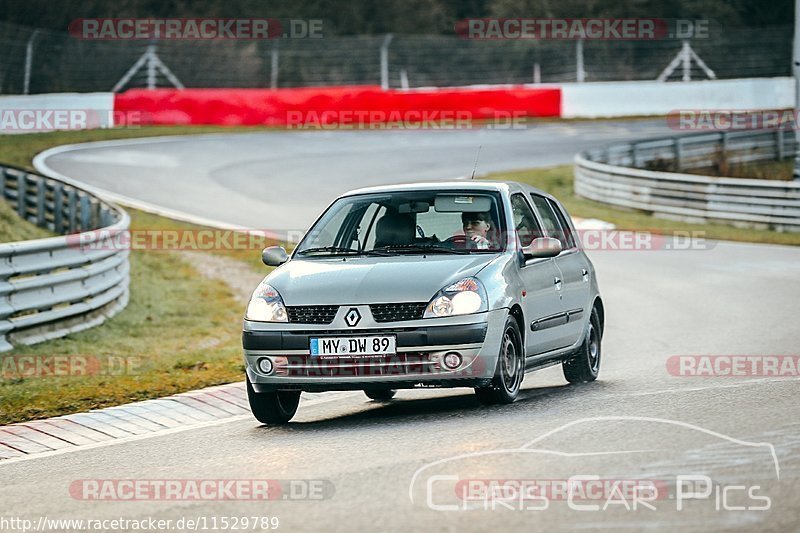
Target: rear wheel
{"x":584,"y":366}
{"x":272,"y":408}
{"x":510,"y":369}
{"x":380,"y":395}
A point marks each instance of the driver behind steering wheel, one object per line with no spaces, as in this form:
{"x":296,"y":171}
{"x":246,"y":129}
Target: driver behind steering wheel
{"x":476,"y":227}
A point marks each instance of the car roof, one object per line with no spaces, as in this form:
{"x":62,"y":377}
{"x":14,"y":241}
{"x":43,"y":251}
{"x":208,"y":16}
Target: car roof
{"x":460,"y":185}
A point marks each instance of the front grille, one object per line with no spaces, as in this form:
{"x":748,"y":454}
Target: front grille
{"x":397,"y":312}
{"x":402,"y":364}
{"x":312,"y":314}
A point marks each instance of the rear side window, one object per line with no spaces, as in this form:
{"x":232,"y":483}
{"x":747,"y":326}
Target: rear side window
{"x":553,"y":221}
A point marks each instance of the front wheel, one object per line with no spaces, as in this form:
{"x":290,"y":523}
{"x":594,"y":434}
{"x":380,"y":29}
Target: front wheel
{"x":272,"y":408}
{"x":584,"y":366}
{"x":510,"y":368}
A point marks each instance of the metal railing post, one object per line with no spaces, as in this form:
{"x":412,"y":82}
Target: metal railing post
{"x":678,"y":152}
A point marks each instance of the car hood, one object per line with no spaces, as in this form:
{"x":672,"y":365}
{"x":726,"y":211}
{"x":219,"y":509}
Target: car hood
{"x":362,"y":280}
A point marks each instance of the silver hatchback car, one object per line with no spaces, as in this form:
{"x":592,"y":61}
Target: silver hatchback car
{"x":446,"y":284}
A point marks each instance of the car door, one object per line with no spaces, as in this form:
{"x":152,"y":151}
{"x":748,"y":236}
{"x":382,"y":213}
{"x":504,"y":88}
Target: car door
{"x":571,"y":262}
{"x":544,"y":311}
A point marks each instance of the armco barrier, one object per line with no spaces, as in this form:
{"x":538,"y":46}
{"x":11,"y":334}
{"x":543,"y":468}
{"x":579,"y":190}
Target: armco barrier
{"x":646,"y":175}
{"x":336,"y":105}
{"x":58,"y":285}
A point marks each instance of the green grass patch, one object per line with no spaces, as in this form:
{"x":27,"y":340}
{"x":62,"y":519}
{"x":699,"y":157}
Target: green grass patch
{"x":13,"y":228}
{"x":558,"y":181}
{"x":762,"y":170}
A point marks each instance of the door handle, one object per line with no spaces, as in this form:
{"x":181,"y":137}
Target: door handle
{"x":557,"y":283}
{"x":585,"y":274}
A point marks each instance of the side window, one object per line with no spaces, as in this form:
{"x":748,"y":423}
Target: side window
{"x":524,"y":222}
{"x":551,"y":222}
{"x":569,"y":238}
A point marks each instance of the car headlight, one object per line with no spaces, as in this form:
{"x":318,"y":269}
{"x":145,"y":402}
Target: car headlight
{"x":463,"y":297}
{"x":266,"y":305}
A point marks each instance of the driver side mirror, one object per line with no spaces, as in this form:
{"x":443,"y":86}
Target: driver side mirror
{"x":274,"y":256}
{"x":541,"y":248}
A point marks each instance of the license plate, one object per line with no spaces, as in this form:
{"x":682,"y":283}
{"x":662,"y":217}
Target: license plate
{"x":353,"y":346}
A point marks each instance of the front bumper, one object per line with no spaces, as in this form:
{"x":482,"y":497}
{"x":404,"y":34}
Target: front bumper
{"x":421,"y":346}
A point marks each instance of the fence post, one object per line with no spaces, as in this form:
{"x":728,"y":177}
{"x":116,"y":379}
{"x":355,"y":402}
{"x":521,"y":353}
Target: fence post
{"x":404,"y":79}
{"x":26,"y":84}
{"x":686,"y":59}
{"x":151,"y":67}
{"x":385,"y":61}
{"x":273,"y":65}
{"x":580,"y":72}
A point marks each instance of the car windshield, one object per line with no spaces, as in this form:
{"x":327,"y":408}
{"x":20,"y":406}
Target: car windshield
{"x":408,"y":222}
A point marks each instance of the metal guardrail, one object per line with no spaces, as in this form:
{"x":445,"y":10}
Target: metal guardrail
{"x":54,"y":286}
{"x":648,"y":176}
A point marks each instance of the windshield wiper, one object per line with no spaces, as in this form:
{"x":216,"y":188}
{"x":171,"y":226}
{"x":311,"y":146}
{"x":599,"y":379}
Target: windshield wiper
{"x":339,"y":250}
{"x":334,"y":250}
{"x":425,"y":248}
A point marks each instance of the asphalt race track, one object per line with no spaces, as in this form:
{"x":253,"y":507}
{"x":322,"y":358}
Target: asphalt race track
{"x":403,"y":465}
{"x":281,"y":180}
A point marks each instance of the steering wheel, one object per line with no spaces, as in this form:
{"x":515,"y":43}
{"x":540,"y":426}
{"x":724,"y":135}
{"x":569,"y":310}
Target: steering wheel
{"x":458,"y":241}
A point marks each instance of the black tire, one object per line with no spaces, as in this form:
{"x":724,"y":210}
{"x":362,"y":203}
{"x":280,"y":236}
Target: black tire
{"x":510,"y":369}
{"x":584,"y":365}
{"x":272,"y":408}
{"x":380,"y":395}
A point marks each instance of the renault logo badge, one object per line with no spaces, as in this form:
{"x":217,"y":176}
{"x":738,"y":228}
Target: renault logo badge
{"x":353,"y":317}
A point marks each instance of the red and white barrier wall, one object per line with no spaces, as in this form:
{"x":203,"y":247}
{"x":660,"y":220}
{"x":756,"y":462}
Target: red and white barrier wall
{"x":337,"y":105}
{"x":357,"y":105}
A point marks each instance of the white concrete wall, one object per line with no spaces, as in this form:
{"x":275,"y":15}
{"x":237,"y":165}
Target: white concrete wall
{"x":631,"y":98}
{"x":68,"y":111}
